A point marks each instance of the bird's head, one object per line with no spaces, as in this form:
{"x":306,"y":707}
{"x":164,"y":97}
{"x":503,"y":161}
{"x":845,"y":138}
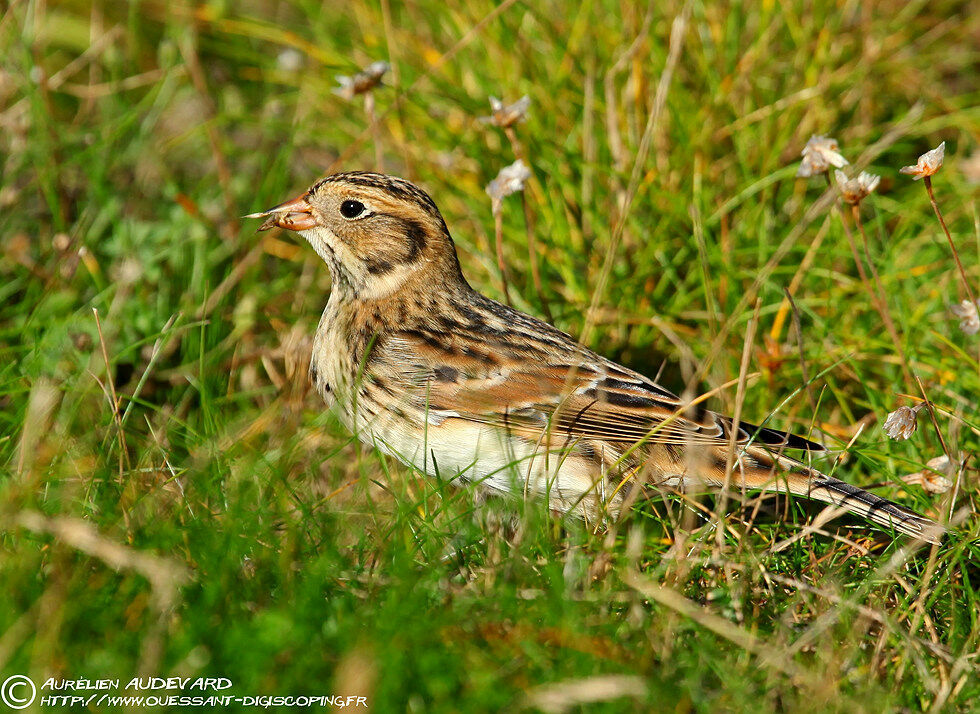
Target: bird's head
{"x":376,"y":233}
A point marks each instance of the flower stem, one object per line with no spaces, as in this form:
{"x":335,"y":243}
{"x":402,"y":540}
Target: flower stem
{"x":874,"y":293}
{"x":532,"y":248}
{"x":927,"y":180}
{"x":498,"y":230}
{"x":532,"y":251}
{"x":372,"y":120}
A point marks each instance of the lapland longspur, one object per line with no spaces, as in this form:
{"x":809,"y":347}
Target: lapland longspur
{"x":441,"y":377}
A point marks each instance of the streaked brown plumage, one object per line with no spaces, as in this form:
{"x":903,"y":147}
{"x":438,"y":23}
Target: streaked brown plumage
{"x":448,"y":380}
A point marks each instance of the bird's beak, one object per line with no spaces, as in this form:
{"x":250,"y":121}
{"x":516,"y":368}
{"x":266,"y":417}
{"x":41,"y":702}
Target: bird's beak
{"x":295,"y":215}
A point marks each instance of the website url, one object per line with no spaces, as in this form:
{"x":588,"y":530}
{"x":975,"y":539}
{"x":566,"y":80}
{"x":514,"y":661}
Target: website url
{"x":177,"y":700}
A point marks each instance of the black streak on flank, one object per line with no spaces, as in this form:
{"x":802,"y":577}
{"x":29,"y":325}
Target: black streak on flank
{"x":317,"y":380}
{"x":379,"y":383}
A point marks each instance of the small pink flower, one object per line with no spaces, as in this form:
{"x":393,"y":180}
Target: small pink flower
{"x":900,"y":424}
{"x":505,"y":115}
{"x":969,"y":316}
{"x":928,"y":164}
{"x":933,"y":478}
{"x":819,"y":154}
{"x":511,"y":179}
{"x":855,"y":190}
{"x":364,"y":81}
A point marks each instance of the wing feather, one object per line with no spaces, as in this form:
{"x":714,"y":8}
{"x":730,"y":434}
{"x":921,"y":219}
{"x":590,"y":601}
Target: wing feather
{"x":586,"y":397}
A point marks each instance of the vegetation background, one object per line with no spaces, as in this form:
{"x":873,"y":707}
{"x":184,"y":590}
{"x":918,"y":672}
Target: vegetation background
{"x":175,"y":502}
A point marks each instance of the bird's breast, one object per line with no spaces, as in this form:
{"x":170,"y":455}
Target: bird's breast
{"x":332,"y":363}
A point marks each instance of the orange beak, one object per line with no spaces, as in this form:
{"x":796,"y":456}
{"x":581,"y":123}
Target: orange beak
{"x":295,"y":215}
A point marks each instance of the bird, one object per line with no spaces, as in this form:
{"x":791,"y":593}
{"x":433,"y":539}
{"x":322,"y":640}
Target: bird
{"x":429,"y":370}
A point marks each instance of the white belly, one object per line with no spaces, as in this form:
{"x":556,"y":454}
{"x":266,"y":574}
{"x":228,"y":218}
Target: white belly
{"x":490,"y":458}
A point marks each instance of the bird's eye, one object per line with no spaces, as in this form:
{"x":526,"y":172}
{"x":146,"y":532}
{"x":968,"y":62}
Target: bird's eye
{"x":351,"y":209}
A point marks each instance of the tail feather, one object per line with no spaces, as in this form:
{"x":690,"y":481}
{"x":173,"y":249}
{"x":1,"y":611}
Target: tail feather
{"x":770,"y":472}
{"x":871,"y":506}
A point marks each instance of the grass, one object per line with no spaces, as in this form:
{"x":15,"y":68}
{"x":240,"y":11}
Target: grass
{"x":175,"y":502}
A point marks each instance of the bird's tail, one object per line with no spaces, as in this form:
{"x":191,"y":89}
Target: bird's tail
{"x":762,"y":470}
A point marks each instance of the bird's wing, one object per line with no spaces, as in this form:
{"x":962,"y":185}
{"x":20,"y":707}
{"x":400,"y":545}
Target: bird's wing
{"x":587,"y":397}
